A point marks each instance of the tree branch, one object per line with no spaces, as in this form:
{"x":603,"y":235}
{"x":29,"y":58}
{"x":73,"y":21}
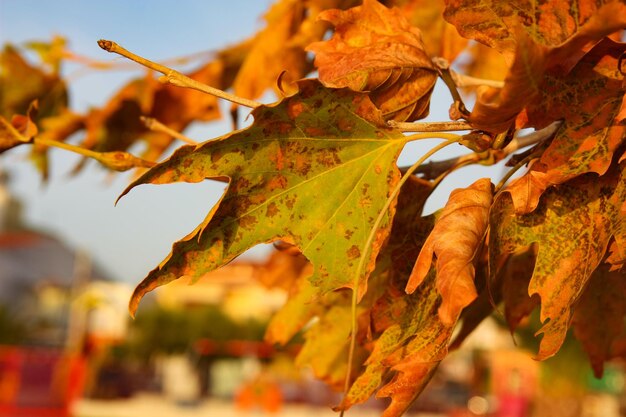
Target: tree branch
{"x":174,"y":77}
{"x":433,"y":169}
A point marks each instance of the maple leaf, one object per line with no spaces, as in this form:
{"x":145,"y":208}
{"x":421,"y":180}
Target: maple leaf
{"x":331,"y":335}
{"x":588,"y":99}
{"x":21,"y":84}
{"x":456,"y":237}
{"x":515,"y":281}
{"x":273,"y":50}
{"x":316,"y":141}
{"x":375,"y":49}
{"x":497,"y":23}
{"x":598,"y":317}
{"x":534,"y":56}
{"x":572,"y":227}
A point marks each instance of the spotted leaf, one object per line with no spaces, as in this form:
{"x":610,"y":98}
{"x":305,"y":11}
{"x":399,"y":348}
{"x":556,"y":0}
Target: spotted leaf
{"x":314,"y":170}
{"x":572,"y":227}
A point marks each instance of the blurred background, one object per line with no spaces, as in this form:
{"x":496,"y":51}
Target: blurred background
{"x":69,"y":260}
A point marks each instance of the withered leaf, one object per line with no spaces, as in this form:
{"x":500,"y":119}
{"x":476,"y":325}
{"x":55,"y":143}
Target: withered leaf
{"x":537,"y":64}
{"x":572,"y":227}
{"x":117,"y":125}
{"x":315,"y":140}
{"x":598,"y":317}
{"x":455,"y":239}
{"x":588,"y":99}
{"x":497,"y":23}
{"x":375,"y":49}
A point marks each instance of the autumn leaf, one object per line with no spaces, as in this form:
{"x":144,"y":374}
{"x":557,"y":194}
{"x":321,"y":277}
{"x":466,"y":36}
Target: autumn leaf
{"x":331,"y":335}
{"x":588,"y":99}
{"x":454,"y":241}
{"x":282,"y":269}
{"x":375,"y":49}
{"x":408,"y":335}
{"x":117,"y":125}
{"x":517,"y":273}
{"x":572,"y":227}
{"x":317,"y":140}
{"x":279,"y":48}
{"x":302,"y":305}
{"x":496,"y":23}
{"x":599,"y":315}
{"x":535,"y":56}
{"x":412,"y":347}
{"x":441,"y":39}
{"x":21,"y":83}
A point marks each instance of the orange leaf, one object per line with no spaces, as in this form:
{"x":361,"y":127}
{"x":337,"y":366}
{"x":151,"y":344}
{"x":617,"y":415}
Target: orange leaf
{"x":496,"y":23}
{"x":457,"y":235}
{"x":375,"y":49}
{"x":599,"y":315}
{"x":572,"y":227}
{"x":441,"y":39}
{"x":588,"y":99}
{"x":536,"y":55}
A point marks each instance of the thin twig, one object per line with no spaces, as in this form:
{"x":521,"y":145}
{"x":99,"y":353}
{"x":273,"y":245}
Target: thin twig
{"x":458,"y":109}
{"x":174,"y":77}
{"x":537,"y":136}
{"x":430,"y":126}
{"x":154,"y":125}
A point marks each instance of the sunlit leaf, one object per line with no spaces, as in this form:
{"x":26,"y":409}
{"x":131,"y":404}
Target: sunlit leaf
{"x":316,"y":141}
{"x":572,"y":227}
{"x":457,"y":236}
{"x":588,"y":99}
{"x":441,"y":39}
{"x":375,"y":49}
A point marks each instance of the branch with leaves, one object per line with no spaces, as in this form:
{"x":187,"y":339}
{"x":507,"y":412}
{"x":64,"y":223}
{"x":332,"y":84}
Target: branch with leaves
{"x":317,"y":171}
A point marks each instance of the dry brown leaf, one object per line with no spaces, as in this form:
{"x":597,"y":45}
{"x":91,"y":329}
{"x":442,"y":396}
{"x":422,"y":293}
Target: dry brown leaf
{"x":375,"y":49}
{"x":457,"y":235}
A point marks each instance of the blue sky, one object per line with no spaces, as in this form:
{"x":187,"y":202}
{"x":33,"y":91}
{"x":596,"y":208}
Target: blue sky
{"x":132,"y":238}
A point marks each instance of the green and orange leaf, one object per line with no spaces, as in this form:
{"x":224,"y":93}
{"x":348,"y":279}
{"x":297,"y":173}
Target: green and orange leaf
{"x":572,"y":227}
{"x":588,"y":101}
{"x":317,"y":142}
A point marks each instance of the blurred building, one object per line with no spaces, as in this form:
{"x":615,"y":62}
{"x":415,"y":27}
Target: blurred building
{"x":42,"y":279}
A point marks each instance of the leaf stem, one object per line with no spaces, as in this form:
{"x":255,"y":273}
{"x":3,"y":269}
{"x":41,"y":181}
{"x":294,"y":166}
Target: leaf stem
{"x":452,"y":137}
{"x":174,"y":77}
{"x":430,"y":126}
{"x":117,"y":160}
{"x":154,"y":125}
{"x":366,"y":249}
